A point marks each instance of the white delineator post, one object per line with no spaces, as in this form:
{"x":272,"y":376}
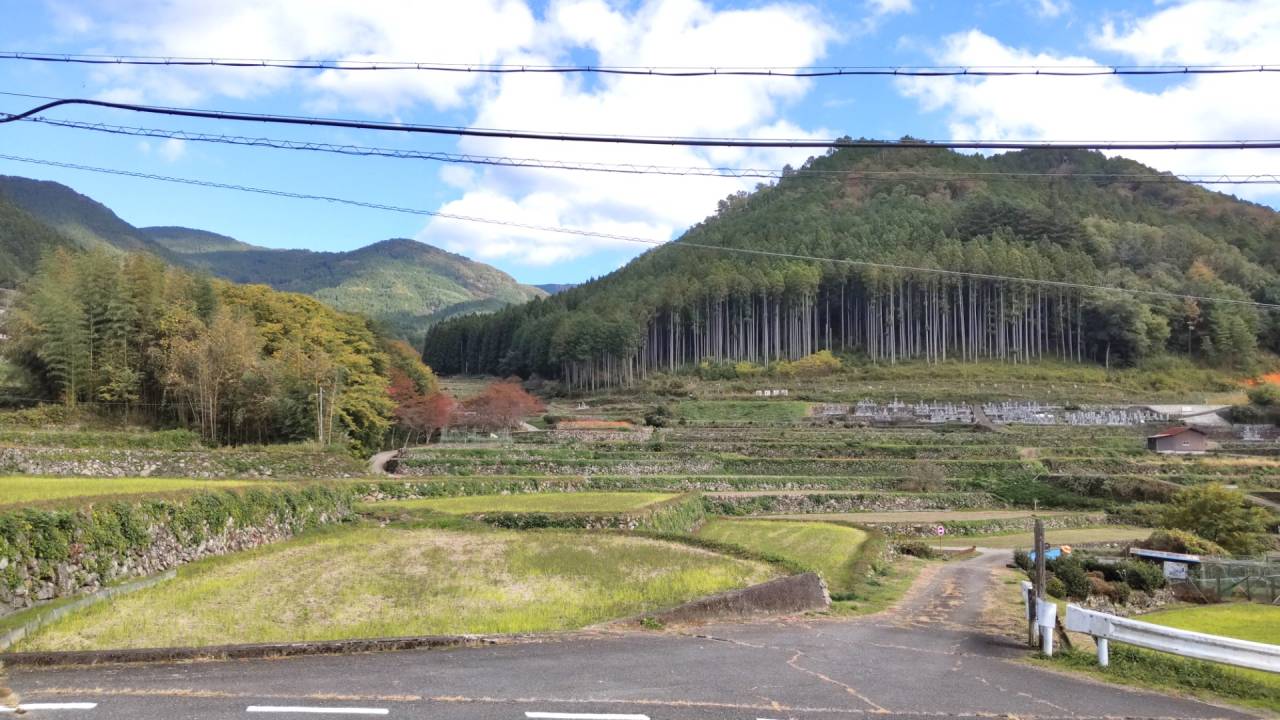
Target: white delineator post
{"x":1046,"y":616}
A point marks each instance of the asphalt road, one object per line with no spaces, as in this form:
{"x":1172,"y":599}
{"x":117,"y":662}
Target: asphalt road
{"x":929,"y":658}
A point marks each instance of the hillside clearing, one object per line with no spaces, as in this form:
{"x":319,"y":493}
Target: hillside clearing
{"x":18,"y":489}
{"x":828,"y":549}
{"x":335,"y":585}
{"x":557,"y":502}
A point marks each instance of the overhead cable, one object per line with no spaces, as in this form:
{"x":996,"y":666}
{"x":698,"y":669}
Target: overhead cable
{"x":648,"y":139}
{"x":676,"y":71}
{"x":647,"y":241}
{"x":640,"y":168}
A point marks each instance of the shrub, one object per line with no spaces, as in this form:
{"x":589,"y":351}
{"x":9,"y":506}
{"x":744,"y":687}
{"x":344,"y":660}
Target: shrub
{"x":551,"y":420}
{"x":1142,"y":576}
{"x":1071,"y":572}
{"x":924,"y":477}
{"x":1265,"y":395}
{"x":917,"y":548}
{"x":658,"y":417}
{"x":1181,"y":541}
{"x":1119,"y":592}
{"x":1055,"y":588}
{"x":1022,"y":559}
{"x":746,"y":369}
{"x":1218,"y":514}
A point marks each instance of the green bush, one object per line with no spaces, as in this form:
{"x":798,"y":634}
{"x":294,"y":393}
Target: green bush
{"x":1022,"y":559}
{"x":1055,"y":588}
{"x":917,"y":548}
{"x":1070,"y":570}
{"x":1120,"y":592}
{"x":1265,"y":395}
{"x":1181,"y":541}
{"x":1143,"y":576}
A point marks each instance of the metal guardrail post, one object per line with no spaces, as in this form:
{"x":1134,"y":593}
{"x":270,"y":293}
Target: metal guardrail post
{"x":1104,"y":652}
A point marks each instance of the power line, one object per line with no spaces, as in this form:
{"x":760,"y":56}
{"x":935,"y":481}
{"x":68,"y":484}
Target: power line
{"x":649,"y":242}
{"x":676,"y":71}
{"x":651,"y":140}
{"x":637,"y":168}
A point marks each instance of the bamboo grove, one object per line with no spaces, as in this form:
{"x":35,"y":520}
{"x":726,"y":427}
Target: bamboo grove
{"x":133,"y":338}
{"x":675,"y":305}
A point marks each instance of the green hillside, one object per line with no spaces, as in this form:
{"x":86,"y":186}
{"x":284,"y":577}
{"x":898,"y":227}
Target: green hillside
{"x":89,"y":223}
{"x":190,"y":241}
{"x":924,"y":208}
{"x":22,"y":239}
{"x":400,"y":282}
{"x":404,"y":285}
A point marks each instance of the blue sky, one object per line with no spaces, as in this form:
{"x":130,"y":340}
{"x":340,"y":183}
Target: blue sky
{"x":660,"y":32}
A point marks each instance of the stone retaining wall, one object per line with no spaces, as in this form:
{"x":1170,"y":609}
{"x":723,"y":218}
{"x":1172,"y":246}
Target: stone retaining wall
{"x":224,"y":463}
{"x":792,"y":594}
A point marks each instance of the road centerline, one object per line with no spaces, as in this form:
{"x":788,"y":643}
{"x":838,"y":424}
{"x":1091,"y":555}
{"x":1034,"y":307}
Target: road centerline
{"x":24,"y":707}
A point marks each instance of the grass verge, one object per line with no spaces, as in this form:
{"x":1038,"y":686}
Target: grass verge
{"x":335,"y":584}
{"x":556,"y":502}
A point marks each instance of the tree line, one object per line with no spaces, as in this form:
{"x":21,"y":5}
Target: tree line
{"x":675,"y":306}
{"x":136,"y":338}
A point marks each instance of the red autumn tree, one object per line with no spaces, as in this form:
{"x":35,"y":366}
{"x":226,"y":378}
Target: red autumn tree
{"x":417,"y":413}
{"x":503,"y":405}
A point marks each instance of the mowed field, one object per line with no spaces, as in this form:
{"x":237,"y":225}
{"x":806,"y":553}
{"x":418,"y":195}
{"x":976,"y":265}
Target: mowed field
{"x":828,"y":549}
{"x":558,"y":502}
{"x":19,"y":489}
{"x":923,"y":516}
{"x":380,"y":582}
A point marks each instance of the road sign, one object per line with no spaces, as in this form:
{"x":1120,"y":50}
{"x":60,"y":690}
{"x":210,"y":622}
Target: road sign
{"x":940,"y":531}
{"x":1175,"y":570}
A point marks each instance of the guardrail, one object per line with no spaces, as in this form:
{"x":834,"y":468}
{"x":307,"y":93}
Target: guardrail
{"x":1104,"y":628}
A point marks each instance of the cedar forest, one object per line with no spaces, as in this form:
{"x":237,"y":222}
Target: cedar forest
{"x":923,"y":209}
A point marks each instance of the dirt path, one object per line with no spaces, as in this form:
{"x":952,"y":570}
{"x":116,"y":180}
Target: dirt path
{"x":378,"y":463}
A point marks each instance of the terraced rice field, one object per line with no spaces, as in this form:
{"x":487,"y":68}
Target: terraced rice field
{"x":21,"y":489}
{"x":562,"y":502}
{"x":335,"y":585}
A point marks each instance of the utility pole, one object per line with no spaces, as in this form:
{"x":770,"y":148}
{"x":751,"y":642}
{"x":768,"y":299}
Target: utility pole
{"x":1038,"y":584}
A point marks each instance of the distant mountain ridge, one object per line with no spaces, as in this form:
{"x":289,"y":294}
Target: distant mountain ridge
{"x":553,"y":288}
{"x":404,"y":284}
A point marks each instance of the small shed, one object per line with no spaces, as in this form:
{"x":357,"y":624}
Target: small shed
{"x":1178,"y":439}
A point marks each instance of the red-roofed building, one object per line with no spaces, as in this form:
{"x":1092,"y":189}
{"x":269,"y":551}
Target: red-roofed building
{"x":1178,"y":439}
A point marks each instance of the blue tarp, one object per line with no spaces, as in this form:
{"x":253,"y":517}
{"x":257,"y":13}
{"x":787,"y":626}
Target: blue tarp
{"x":1050,"y":554}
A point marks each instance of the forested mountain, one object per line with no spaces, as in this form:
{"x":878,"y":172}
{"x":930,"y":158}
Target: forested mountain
{"x":87,"y":222}
{"x":403,"y":284}
{"x":1068,"y":216}
{"x":22,"y":239}
{"x":190,"y":241}
{"x":554,"y":288}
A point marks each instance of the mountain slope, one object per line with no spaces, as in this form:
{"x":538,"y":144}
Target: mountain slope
{"x":1075,"y":217}
{"x":404,"y":284}
{"x":23,"y":238}
{"x":190,"y":241}
{"x":87,"y":222}
{"x":400,"y":282}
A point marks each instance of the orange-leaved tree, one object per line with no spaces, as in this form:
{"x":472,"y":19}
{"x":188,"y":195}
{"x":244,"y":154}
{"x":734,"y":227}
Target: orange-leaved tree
{"x":502,"y":405}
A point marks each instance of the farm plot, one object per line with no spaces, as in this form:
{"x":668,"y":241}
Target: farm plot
{"x":336,"y":585}
{"x":1070,"y":536}
{"x":561,"y":502}
{"x":19,"y":489}
{"x":828,"y":549}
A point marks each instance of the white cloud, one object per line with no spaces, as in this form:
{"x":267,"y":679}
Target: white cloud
{"x":475,"y":31}
{"x":667,"y":32}
{"x":890,"y":7}
{"x":1052,"y":8}
{"x":1212,"y":107}
{"x":649,"y":33}
{"x":173,"y":149}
